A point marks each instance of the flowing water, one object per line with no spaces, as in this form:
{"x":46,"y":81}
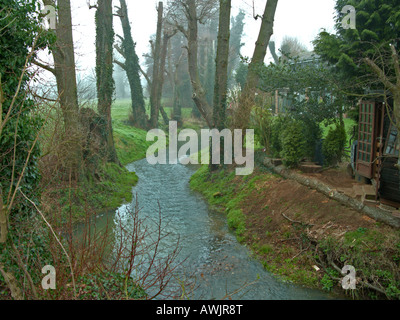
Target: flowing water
{"x":210,"y":256}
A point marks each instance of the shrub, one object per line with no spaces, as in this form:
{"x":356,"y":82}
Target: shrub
{"x":313,"y":134}
{"x":334,"y":145}
{"x":262,"y":122}
{"x":293,"y":143}
{"x":277,"y":126}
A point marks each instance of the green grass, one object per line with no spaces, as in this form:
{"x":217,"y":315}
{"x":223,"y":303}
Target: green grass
{"x":111,"y":188}
{"x":130,"y":142}
{"x":221,"y":191}
{"x":348,"y":123}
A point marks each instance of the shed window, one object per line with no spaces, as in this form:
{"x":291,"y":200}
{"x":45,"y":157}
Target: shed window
{"x":392,"y":147}
{"x":365,"y":134}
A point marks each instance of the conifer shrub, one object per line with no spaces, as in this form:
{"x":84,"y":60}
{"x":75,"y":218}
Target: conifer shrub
{"x":334,"y":145}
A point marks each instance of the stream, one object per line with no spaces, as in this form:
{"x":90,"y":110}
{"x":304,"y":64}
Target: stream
{"x":210,"y":257}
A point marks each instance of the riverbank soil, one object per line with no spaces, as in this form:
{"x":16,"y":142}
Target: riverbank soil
{"x":304,"y":236}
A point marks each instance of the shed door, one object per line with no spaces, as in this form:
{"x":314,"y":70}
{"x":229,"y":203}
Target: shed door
{"x":366,"y":141}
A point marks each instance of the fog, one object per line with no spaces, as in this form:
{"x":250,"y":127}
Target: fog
{"x":300,"y":19}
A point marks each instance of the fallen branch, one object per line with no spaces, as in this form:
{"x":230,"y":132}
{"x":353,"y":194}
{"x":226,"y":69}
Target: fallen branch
{"x":301,"y":252}
{"x":298,"y":222}
{"x":362,"y":283}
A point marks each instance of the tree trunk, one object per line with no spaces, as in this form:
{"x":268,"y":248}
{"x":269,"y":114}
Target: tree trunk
{"x":132,"y":69}
{"x":154,"y":95}
{"x":199,"y":96}
{"x":104,"y":72}
{"x":372,"y":212}
{"x":242,"y":116}
{"x":221,"y":73}
{"x":64,"y":60}
{"x":173,"y":74}
{"x":163,"y":61}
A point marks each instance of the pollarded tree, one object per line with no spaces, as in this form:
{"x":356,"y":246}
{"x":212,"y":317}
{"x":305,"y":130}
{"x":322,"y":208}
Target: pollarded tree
{"x":65,"y":73}
{"x":104,"y":73}
{"x":242,"y":115}
{"x":185,"y":15}
{"x":237,"y":28}
{"x":127,"y":49}
{"x":221,"y":73}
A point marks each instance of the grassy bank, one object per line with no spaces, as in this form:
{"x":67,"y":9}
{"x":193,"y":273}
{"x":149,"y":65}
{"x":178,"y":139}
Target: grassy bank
{"x":110,"y":185}
{"x":303,"y":236}
{"x":114,"y":186}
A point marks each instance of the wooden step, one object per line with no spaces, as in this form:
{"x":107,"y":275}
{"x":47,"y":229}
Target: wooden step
{"x":369,"y":192}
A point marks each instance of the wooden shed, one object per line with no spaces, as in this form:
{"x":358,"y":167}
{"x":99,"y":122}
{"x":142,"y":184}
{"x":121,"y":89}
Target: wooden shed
{"x":377,"y":152}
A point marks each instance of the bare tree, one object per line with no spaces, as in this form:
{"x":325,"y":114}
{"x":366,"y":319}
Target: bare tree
{"x":221,"y":70}
{"x":132,"y":67}
{"x":221,"y":74}
{"x":104,"y":72}
{"x":242,"y":116}
{"x":159,"y":56}
{"x":185,"y":16}
{"x":65,"y":73}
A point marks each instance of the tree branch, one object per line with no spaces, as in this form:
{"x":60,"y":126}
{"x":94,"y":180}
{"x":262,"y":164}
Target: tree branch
{"x":120,"y":51}
{"x":120,"y":37}
{"x":149,"y":82}
{"x":381,"y":75}
{"x":122,"y":65}
{"x":44,"y":66}
{"x":395,"y":58}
